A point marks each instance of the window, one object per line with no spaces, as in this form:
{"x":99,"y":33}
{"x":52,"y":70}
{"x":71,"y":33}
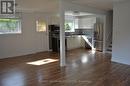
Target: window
{"x":71,"y":23}
{"x":10,"y":26}
{"x":40,"y":26}
{"x":69,"y":26}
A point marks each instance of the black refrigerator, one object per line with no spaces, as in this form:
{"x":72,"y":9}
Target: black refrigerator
{"x":54,"y":38}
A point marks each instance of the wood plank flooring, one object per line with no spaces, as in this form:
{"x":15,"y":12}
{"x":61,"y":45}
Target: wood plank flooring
{"x":83,"y":69}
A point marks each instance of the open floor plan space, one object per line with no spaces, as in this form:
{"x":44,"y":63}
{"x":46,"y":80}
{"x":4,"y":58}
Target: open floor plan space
{"x":84,"y":68}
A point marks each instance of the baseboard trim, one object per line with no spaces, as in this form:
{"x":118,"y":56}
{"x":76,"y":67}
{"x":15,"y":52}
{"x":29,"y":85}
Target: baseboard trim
{"x":121,"y":60}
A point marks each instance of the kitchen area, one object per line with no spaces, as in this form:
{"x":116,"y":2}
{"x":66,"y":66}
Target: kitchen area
{"x":82,"y":30}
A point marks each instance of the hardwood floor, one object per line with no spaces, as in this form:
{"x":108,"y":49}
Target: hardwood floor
{"x":83,"y":69}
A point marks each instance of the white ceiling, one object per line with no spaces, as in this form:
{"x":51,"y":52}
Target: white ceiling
{"x":37,"y":6}
{"x":52,"y":5}
{"x":100,"y":4}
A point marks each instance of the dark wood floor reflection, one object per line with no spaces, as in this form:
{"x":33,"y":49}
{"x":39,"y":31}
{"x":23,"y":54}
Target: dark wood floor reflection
{"x":84,"y":68}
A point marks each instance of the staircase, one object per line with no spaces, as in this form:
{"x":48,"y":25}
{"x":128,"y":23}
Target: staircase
{"x":86,"y":38}
{"x":109,"y":48}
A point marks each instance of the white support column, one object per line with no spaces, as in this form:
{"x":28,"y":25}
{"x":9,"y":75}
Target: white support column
{"x":104,"y":34}
{"x":62,"y":35}
{"x":93,"y":43}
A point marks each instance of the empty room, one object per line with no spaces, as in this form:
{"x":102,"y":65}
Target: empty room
{"x":64,"y":43}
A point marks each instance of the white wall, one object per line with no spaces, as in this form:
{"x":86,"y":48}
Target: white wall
{"x":109,"y":28}
{"x":87,"y":22}
{"x":121,"y":33}
{"x":29,"y":41}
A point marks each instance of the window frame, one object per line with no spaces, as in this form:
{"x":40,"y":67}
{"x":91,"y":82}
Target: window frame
{"x":19,"y":27}
{"x":72,"y":29}
{"x":74,"y":20}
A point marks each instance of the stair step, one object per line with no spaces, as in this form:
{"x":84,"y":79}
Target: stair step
{"x":110,"y":46}
{"x":110,"y":52}
{"x":109,"y":49}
